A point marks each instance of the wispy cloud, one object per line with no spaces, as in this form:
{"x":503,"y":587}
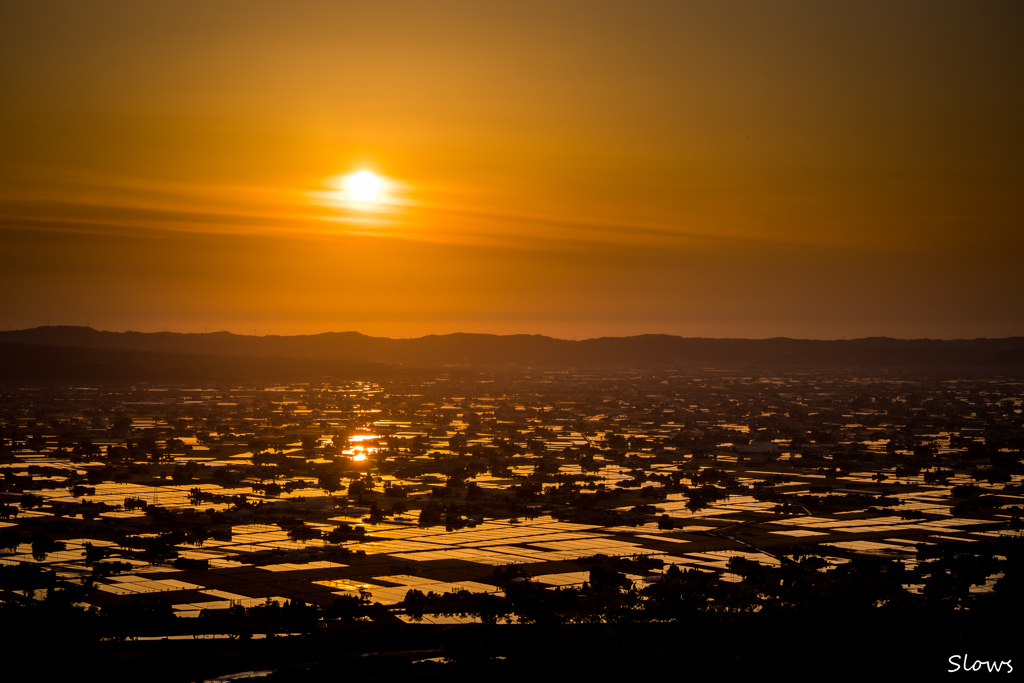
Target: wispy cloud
{"x":107,"y":205}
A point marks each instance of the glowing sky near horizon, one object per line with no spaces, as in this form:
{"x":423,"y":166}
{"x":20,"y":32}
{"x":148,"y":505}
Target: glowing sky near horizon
{"x":578,"y":169}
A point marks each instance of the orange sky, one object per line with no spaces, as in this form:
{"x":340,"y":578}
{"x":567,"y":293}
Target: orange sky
{"x":577,"y":169}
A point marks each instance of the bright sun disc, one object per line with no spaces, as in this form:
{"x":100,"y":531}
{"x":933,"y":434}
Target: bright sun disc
{"x":363,"y":186}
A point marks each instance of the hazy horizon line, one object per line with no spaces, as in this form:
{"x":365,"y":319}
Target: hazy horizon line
{"x":491,"y":334}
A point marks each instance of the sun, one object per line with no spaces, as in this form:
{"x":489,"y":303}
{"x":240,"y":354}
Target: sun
{"x":364,"y":197}
{"x":363,"y":186}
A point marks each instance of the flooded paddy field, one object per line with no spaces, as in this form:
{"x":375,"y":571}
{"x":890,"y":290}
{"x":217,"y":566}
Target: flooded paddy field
{"x":507,"y":500}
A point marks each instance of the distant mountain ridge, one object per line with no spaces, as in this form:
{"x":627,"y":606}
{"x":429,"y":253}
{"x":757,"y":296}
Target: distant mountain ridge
{"x":528,"y":350}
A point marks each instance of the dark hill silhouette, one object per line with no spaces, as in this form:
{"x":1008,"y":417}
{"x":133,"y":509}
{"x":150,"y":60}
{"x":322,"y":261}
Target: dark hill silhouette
{"x":25,"y":364}
{"x":653,"y":350}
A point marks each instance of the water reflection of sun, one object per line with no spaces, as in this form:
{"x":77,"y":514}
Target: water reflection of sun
{"x":360,"y":453}
{"x":363,"y":437}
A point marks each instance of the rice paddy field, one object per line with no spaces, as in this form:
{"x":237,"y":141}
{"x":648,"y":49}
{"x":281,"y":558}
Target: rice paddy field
{"x":451,"y":501}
